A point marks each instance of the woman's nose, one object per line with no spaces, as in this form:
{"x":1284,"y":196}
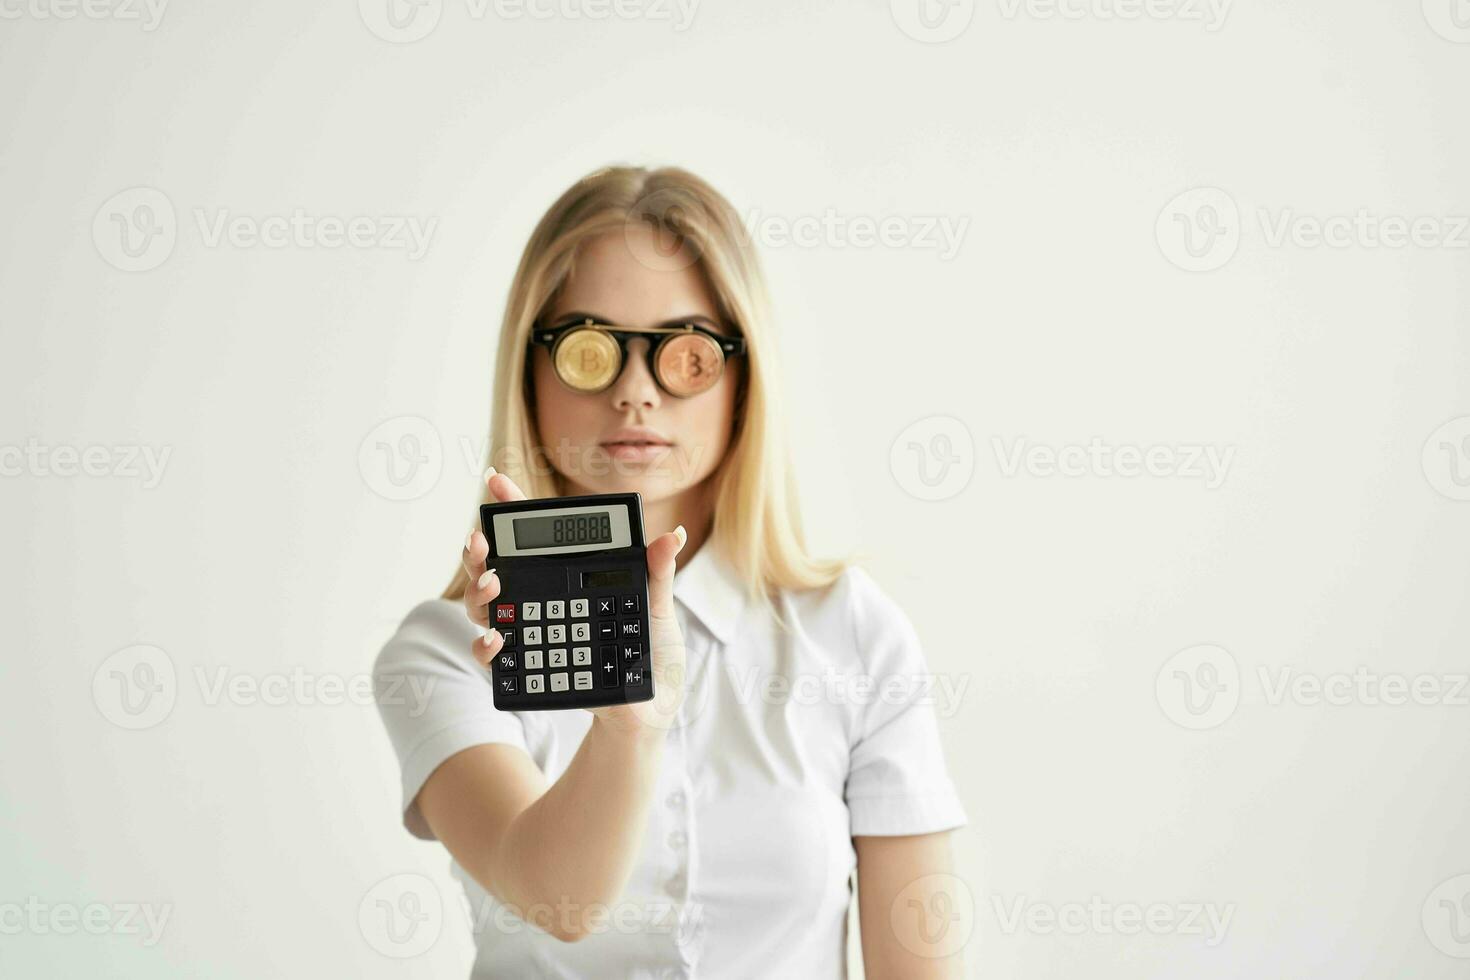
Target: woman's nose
{"x":635,"y":386}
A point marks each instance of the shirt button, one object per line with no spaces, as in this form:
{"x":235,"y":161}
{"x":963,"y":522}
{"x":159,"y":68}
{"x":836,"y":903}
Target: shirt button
{"x":676,"y":884}
{"x":675,"y":799}
{"x":677,"y":839}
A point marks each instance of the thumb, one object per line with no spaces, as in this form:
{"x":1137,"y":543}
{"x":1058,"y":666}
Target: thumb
{"x":661,"y":568}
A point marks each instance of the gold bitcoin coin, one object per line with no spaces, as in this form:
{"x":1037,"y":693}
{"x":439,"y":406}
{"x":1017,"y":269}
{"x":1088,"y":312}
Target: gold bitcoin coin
{"x":688,"y":364}
{"x":586,"y":360}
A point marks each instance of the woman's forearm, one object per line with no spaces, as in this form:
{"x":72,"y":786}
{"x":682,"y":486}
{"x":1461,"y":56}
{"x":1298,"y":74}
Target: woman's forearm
{"x":573,"y":849}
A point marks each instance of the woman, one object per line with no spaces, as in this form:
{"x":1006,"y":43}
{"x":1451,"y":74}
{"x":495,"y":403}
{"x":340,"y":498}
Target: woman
{"x":713,"y":831}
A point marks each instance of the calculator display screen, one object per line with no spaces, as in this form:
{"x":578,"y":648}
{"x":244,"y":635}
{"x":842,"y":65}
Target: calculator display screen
{"x":560,"y":529}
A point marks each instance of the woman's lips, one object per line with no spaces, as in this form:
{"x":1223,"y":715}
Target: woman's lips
{"x":636,"y":451}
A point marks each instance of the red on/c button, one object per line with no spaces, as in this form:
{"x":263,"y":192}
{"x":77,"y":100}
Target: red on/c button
{"x":505,"y":612}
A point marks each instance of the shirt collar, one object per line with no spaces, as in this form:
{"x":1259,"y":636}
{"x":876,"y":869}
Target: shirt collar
{"x":709,"y":587}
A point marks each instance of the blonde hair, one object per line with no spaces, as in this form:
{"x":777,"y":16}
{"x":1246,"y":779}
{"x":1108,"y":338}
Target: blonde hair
{"x":757,"y":520}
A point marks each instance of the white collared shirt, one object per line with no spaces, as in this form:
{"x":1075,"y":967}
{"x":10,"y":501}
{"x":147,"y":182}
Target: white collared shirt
{"x":788,"y":746}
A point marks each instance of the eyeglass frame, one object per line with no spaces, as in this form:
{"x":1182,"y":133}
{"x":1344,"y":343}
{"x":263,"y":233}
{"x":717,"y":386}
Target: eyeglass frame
{"x":549,"y":336}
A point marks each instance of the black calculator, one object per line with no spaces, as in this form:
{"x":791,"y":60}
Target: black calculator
{"x":573,"y":603}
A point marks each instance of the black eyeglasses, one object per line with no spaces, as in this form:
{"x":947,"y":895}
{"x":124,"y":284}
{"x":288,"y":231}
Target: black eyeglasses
{"x":589,"y":356}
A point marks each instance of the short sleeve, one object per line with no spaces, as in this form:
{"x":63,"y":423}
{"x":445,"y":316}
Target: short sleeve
{"x":434,"y":699}
{"x":897,"y":781}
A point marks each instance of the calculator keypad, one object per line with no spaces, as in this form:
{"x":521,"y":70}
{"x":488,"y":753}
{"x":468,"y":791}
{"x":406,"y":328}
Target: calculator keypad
{"x":591,"y":643}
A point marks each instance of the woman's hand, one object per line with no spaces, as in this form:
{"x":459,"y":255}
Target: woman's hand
{"x":647,"y":719}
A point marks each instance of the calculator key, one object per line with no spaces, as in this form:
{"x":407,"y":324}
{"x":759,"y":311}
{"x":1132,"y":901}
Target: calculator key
{"x":531,"y":635}
{"x":505,"y":612}
{"x":556,"y":633}
{"x":530,"y":610}
{"x":559,"y":682}
{"x":579,"y":608}
{"x":628,"y":604}
{"x":535,"y":683}
{"x":508,"y":685}
{"x":581,"y":632}
{"x":606,"y":606}
{"x":556,"y":609}
{"x":631,"y":627}
{"x":509,"y":660}
{"x":609,"y":656}
{"x":633,"y":676}
{"x":533,"y":660}
{"x":607,"y":630}
{"x":582,"y":680}
{"x":581,"y":656}
{"x":557,"y":657}
{"x":632,"y":653}
{"x":508,"y":636}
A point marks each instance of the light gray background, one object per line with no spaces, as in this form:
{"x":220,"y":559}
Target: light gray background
{"x":1075,"y":151}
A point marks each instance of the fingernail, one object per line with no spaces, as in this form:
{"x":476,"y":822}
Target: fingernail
{"x":485,"y":579}
{"x":489,"y":473}
{"x":469,"y":542}
{"x":683,"y":536}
